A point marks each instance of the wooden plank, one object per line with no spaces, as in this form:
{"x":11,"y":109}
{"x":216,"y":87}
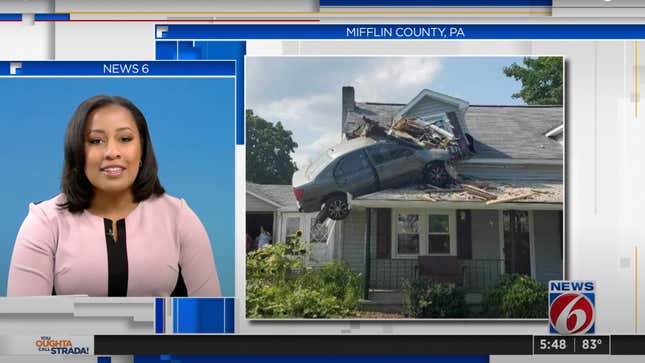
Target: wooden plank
{"x":429,"y":198}
{"x":478,"y":192}
{"x":510,"y":198}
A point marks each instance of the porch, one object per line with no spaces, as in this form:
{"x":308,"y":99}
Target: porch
{"x":472,"y":274}
{"x":470,"y":248}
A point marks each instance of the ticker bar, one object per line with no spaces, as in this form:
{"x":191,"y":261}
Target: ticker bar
{"x":313,"y":344}
{"x":571,"y":344}
{"x":628,"y":344}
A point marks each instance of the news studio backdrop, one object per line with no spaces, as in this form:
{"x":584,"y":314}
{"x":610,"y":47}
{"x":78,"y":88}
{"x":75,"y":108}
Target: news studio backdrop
{"x":330,"y":72}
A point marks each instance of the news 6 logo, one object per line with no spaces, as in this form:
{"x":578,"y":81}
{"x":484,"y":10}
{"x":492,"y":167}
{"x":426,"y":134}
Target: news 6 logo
{"x":572,"y":307}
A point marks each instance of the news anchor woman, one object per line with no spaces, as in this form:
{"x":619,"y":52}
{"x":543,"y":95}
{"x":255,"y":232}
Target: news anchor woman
{"x":113,"y":231}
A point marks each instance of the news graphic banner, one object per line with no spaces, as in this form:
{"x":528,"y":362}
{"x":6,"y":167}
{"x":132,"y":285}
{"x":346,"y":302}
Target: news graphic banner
{"x":117,"y":68}
{"x":399,"y":31}
{"x":192,"y":50}
{"x":52,"y":315}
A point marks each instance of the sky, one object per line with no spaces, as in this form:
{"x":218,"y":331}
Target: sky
{"x":304,"y":93}
{"x":191,"y":122}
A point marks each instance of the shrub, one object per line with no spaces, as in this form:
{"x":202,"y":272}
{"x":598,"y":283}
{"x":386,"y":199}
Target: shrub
{"x":516,"y":297}
{"x":279,"y":284}
{"x":426,"y":299}
{"x":336,"y":279}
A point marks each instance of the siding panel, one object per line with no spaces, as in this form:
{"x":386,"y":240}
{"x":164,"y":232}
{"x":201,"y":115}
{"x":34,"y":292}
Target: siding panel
{"x":354,"y":240}
{"x":254,"y":204}
{"x":428,"y":106}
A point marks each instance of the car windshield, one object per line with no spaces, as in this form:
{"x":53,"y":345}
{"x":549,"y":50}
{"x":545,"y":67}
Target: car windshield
{"x":318,"y":165}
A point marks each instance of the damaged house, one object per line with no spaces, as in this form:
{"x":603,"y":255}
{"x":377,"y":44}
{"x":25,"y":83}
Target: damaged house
{"x":502,"y":214}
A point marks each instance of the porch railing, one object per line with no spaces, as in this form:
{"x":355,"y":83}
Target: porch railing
{"x":475,"y":274}
{"x":479,"y":274}
{"x":389,"y":274}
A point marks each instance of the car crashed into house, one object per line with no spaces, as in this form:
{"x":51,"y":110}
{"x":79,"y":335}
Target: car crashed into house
{"x":419,"y":151}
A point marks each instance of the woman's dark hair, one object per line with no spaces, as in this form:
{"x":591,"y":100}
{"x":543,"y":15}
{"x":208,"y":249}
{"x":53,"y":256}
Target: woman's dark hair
{"x":74,"y":184}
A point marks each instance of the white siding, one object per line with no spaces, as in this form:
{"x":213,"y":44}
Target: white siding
{"x":428,"y":106}
{"x":354,"y":240}
{"x":485,"y":234}
{"x":254,"y":204}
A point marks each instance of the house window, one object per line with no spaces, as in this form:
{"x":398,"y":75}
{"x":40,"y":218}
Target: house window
{"x":407,"y":234}
{"x":351,"y":165}
{"x":384,"y":153}
{"x":417,"y":232}
{"x":438,"y":233}
{"x":318,"y":232}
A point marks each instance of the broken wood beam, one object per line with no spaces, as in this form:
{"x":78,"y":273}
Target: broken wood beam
{"x":429,"y":198}
{"x":478,"y":192}
{"x":428,"y":188}
{"x":510,"y":199}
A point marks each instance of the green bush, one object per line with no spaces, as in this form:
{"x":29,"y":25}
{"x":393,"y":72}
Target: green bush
{"x":279,"y":284}
{"x":426,"y":299}
{"x":516,"y":297}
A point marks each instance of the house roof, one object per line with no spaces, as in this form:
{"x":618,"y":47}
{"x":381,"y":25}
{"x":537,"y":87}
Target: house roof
{"x":500,"y":132}
{"x":434,"y":95}
{"x":547,"y":193}
{"x":278,"y":194}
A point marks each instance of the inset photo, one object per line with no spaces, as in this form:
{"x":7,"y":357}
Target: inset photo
{"x":403,"y":187}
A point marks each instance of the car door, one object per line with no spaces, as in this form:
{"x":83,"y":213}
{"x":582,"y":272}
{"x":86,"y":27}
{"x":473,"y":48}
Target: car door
{"x":354,"y":174}
{"x":394,"y":164}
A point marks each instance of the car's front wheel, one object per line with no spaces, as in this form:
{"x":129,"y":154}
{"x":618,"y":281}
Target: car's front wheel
{"x":435,"y":173}
{"x":337,"y":207}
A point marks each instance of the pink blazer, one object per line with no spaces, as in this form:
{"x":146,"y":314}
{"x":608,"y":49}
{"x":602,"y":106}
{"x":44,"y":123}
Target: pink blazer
{"x":160,"y":243}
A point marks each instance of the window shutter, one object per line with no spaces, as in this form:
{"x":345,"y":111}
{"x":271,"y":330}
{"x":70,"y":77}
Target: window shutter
{"x":383,"y":232}
{"x":464,"y":235}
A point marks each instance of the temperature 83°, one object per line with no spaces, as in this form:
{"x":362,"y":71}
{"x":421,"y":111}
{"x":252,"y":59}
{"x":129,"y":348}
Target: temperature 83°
{"x":590,"y":343}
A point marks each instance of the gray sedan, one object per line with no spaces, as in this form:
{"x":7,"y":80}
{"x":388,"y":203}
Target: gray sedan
{"x":364,"y":165}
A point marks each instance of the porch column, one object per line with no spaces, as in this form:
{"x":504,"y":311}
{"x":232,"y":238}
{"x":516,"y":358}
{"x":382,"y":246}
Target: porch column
{"x":368,"y":235}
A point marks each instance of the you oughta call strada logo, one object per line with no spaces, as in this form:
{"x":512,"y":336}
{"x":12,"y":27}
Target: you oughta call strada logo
{"x":59,"y":346}
{"x":572,"y":307}
{"x":405,"y":32}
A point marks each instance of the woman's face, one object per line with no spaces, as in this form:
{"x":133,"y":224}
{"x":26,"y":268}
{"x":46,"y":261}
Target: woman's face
{"x":112,"y":149}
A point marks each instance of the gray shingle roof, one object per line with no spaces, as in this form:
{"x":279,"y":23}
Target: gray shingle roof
{"x":277,"y":193}
{"x":499,"y":131}
{"x":514,"y":131}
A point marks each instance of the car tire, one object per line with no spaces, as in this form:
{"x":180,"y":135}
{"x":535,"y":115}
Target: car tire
{"x":337,"y":207}
{"x":322,"y":216}
{"x":435,"y":173}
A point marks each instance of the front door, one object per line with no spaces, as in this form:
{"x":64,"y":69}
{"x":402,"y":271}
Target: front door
{"x":319,"y":235}
{"x":517,"y":247}
{"x":321,"y":239}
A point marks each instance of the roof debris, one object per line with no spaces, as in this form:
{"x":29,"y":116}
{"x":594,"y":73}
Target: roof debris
{"x":488,"y":192}
{"x":443,"y":132}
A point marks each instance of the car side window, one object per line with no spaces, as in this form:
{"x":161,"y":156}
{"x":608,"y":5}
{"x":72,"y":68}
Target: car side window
{"x":383,"y":153}
{"x":401,"y":152}
{"x":351,"y":163}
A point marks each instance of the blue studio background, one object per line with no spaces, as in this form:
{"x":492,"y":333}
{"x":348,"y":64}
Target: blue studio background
{"x":192,"y":125}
